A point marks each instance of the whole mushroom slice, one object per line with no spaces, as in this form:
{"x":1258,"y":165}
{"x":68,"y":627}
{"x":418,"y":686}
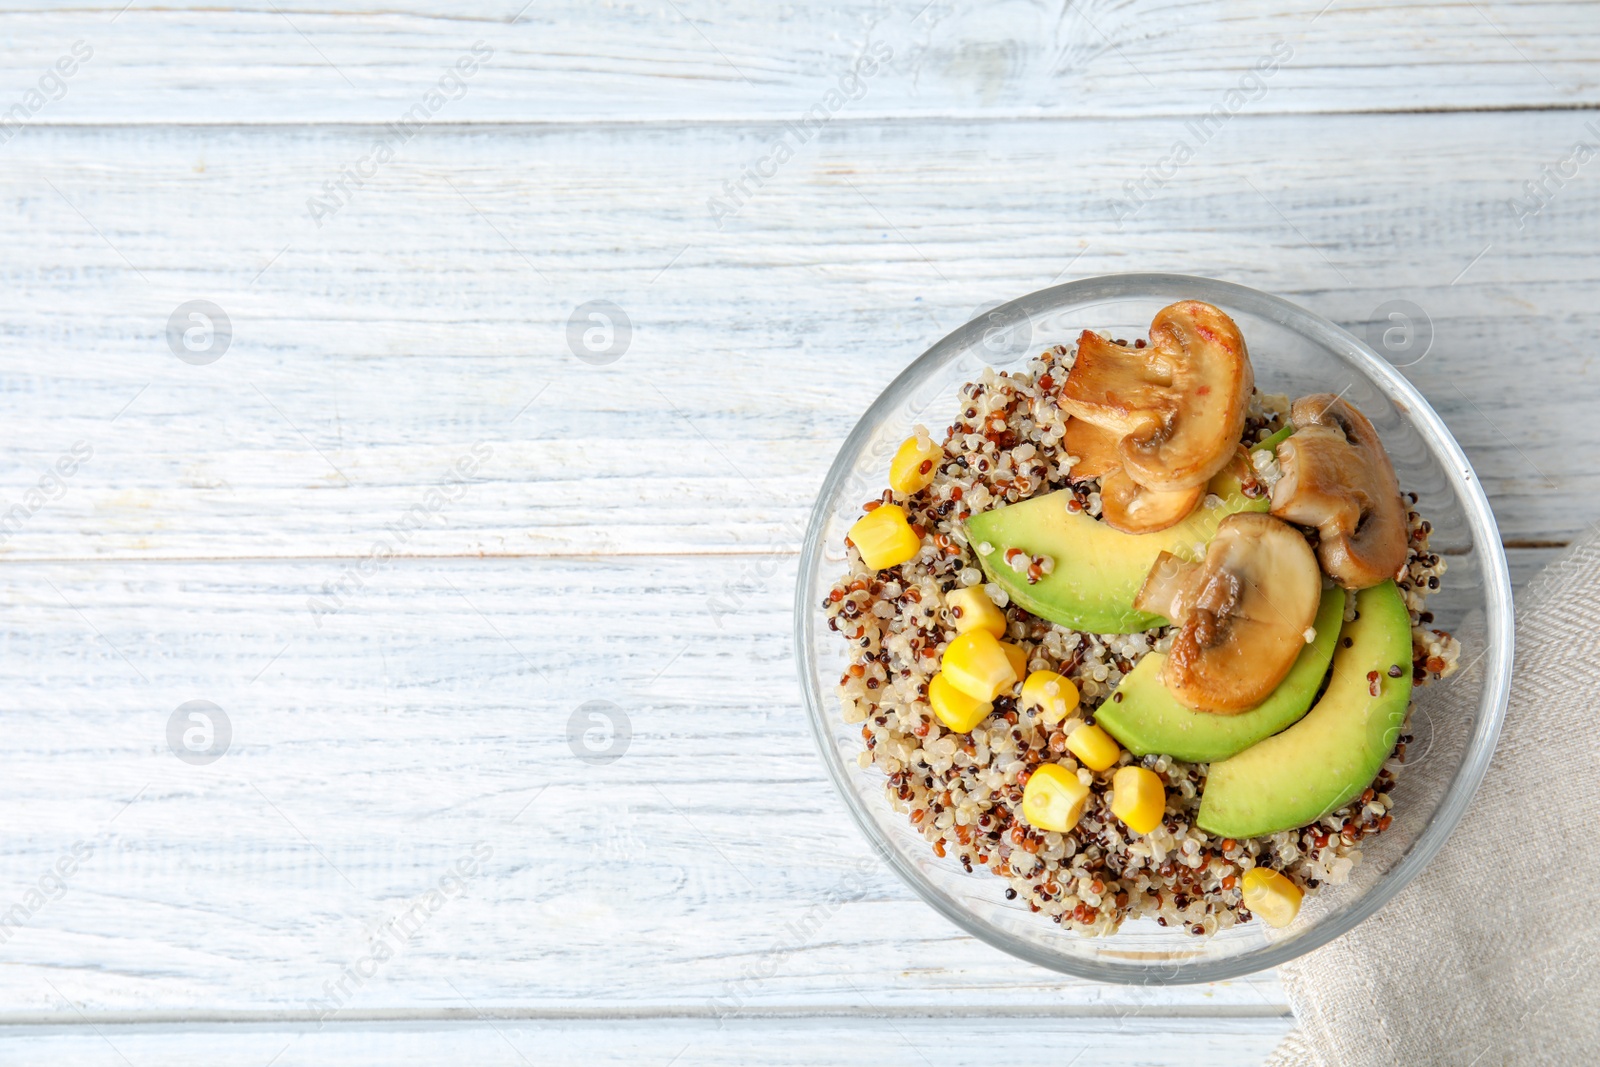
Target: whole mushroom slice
{"x":1177,"y":406}
{"x":1243,"y":613}
{"x":1338,"y":478}
{"x":1128,"y":506}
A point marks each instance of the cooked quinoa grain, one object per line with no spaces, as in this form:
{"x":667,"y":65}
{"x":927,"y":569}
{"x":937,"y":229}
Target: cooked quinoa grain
{"x":963,"y":791}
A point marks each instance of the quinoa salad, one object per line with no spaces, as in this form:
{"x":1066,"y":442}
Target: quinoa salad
{"x":1108,"y":503}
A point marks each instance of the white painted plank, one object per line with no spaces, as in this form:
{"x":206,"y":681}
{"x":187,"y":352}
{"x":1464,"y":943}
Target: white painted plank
{"x":369,"y":356}
{"x":374,"y":352}
{"x":1525,"y":563}
{"x":569,"y":61}
{"x":426,"y":724}
{"x":912,"y":1042}
{"x":408,"y":728}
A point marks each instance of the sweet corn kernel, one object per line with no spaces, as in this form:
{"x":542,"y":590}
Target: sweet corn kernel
{"x":1094,"y":748}
{"x":1138,"y":798}
{"x":975,"y":663}
{"x":956,"y":709}
{"x":1270,"y":895}
{"x":1053,"y":694}
{"x":1053,"y":799}
{"x":884,"y":538}
{"x":914,"y":465}
{"x":971,"y":609}
{"x":1018,"y":658}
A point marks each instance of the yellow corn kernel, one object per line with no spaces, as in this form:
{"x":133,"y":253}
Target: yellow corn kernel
{"x":1094,"y":748}
{"x":971,"y":609}
{"x":1053,"y":694}
{"x":954,"y":708}
{"x":975,"y":663}
{"x":884,"y":538}
{"x":1053,"y":799}
{"x":1017,"y":656}
{"x":1138,"y":798}
{"x":914,"y":465}
{"x":1270,"y":895}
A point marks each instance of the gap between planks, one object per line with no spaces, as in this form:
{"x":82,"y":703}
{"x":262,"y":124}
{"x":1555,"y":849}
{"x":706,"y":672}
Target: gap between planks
{"x":420,"y":558}
{"x":624,"y":1014}
{"x":734,"y":120}
{"x":732,"y":553}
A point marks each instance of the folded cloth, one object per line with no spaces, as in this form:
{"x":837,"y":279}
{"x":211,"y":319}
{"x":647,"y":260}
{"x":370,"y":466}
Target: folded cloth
{"x":1489,"y":956}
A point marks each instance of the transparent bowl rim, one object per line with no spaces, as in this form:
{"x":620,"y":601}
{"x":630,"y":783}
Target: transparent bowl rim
{"x":1498,"y":622}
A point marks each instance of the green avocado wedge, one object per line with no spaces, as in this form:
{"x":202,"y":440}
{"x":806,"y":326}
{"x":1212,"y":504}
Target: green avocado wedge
{"x":1098,"y":570}
{"x":1272,"y":441}
{"x":1327,"y":758}
{"x":1147,"y":720}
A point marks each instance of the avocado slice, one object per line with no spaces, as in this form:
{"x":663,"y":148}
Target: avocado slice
{"x":1327,"y":758}
{"x":1098,"y":570}
{"x":1147,"y":720}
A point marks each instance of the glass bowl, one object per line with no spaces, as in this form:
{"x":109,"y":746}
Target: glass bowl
{"x":1453,"y":727}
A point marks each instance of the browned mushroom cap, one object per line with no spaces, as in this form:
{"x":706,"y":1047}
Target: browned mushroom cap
{"x":1338,"y":478}
{"x":1178,"y":405}
{"x":1095,"y":448}
{"x":1242,"y":612}
{"x":1128,"y":506}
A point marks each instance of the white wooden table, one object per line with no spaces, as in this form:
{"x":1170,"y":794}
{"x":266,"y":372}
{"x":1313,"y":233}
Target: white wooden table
{"x":398,"y":696}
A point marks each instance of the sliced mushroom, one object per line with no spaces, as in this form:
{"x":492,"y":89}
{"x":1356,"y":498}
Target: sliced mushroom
{"x":1095,"y":448}
{"x":1168,"y":589}
{"x":1128,"y":506}
{"x":1178,"y":405}
{"x":1242,"y":612}
{"x":1338,"y":478}
{"x":1125,"y":504}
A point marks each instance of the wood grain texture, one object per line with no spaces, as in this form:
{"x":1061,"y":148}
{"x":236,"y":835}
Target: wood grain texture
{"x":890,"y":1042}
{"x":428,"y":721}
{"x":369,"y":356}
{"x":573,"y":62}
{"x":224,"y":511}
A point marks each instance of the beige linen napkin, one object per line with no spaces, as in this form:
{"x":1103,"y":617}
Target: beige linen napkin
{"x":1489,"y":957}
